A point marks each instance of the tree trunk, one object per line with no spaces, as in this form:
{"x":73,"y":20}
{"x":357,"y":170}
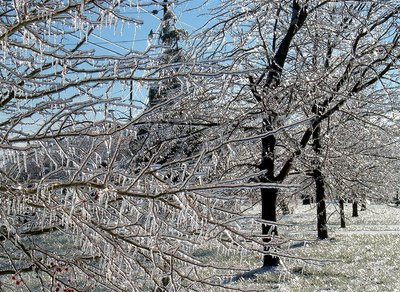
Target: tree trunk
{"x":268,"y":196}
{"x":273,"y":79}
{"x":319,"y":181}
{"x":284,"y":206}
{"x":363,"y":203}
{"x":306,"y":199}
{"x":342,"y":219}
{"x":355,"y":209}
{"x":268,"y":212}
{"x":363,"y":206}
{"x":321,"y":205}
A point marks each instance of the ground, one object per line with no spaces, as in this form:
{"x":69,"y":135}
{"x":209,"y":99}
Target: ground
{"x":365,"y":256}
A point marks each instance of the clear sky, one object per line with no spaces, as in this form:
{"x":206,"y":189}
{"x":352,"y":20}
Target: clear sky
{"x":122,"y":39}
{"x":190,"y":16}
{"x":118,"y":40}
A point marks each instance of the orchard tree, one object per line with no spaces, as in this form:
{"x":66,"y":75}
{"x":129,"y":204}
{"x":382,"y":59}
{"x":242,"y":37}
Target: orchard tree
{"x":357,"y":169}
{"x":362,"y":74}
{"x":93,"y":201}
{"x":63,"y":117}
{"x":84,"y":207}
{"x":304,"y":60}
{"x":107,"y":190}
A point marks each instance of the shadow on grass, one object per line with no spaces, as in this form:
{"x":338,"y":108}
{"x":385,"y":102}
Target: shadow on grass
{"x":251,"y":275}
{"x":298,"y":244}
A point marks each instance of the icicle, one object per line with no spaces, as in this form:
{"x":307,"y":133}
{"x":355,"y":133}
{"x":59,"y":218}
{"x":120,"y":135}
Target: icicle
{"x":86,"y":32}
{"x":116,"y":68}
{"x":106,"y":200}
{"x":82,"y":8}
{"x":8,"y":204}
{"x":49,"y":27}
{"x":18,"y":162}
{"x":51,"y":218}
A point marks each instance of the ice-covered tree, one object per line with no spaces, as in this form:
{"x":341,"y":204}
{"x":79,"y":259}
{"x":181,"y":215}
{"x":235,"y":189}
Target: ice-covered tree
{"x":82,"y":208}
{"x":304,"y":60}
{"x":87,"y":203}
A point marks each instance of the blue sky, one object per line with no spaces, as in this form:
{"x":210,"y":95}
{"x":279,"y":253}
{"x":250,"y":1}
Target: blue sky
{"x":190,"y":16}
{"x":120,"y":40}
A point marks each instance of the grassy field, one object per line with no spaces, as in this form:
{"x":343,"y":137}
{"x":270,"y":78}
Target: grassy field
{"x":365,"y":256}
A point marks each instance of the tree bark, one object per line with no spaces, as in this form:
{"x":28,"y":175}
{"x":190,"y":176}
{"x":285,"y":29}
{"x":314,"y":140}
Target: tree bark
{"x":342,"y":218}
{"x":363,"y":206}
{"x":268,"y":212}
{"x":306,"y":199}
{"x":284,"y":206}
{"x":268,"y":196}
{"x":319,"y":180}
{"x":321,"y":205}
{"x":272,"y":80}
{"x":355,"y":209}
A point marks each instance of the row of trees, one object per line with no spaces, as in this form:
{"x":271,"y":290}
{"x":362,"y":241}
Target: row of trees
{"x":105,"y":188}
{"x":318,"y":63}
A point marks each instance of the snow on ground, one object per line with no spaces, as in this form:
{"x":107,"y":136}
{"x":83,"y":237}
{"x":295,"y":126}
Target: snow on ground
{"x":377,"y":219}
{"x":365,"y":256}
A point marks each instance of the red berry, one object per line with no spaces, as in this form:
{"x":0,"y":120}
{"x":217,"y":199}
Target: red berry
{"x":17,"y":282}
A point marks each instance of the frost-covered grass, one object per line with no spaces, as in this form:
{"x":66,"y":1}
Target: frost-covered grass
{"x":363,"y":257}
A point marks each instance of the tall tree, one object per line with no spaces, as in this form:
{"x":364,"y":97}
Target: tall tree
{"x":168,"y":36}
{"x":309,"y":67}
{"x":85,"y":207}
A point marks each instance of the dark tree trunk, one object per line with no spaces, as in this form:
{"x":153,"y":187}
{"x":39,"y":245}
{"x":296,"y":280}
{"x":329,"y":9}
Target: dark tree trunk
{"x":306,"y":199}
{"x":268,"y":196}
{"x":283,"y":205}
{"x":342,"y":219}
{"x":321,"y":206}
{"x":355,"y":209}
{"x":272,"y":80}
{"x":363,"y":203}
{"x":319,"y":181}
{"x":268,"y":213}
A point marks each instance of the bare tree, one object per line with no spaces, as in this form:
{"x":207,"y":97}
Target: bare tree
{"x":100,"y":190}
{"x":356,"y":168}
{"x":80,"y":213}
{"x":313,"y":58}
